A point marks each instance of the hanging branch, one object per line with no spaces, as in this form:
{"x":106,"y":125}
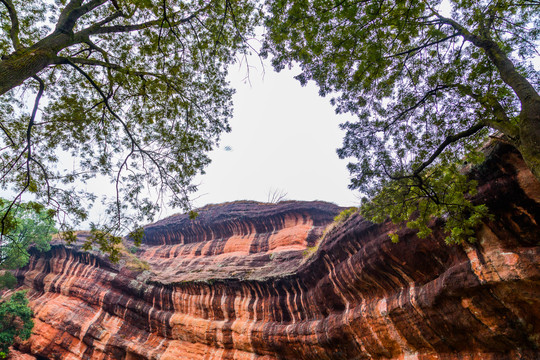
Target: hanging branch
{"x":28,"y":150}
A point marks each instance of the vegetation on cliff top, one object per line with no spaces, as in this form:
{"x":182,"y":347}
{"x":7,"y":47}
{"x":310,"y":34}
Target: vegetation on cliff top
{"x":427,"y":88}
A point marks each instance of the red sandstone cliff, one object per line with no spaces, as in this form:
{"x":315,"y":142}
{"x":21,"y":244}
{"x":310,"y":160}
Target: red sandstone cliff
{"x":244,"y":281}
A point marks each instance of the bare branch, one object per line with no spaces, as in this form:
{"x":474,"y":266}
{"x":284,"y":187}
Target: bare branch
{"x":276,"y":195}
{"x":124,"y":163}
{"x":27,"y":149}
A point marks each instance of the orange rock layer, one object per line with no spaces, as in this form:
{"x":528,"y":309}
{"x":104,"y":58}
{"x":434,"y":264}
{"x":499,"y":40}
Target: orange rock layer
{"x":251,"y":281}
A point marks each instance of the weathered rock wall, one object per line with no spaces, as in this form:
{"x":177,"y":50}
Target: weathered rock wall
{"x":249,"y":281}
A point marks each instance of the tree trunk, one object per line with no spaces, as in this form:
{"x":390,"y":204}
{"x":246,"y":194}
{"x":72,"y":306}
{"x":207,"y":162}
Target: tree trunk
{"x":530,"y":134}
{"x":529,"y":126}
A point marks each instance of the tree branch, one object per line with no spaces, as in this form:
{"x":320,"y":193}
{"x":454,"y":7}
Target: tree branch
{"x":134,"y":143}
{"x":449,"y":140}
{"x":94,"y":30}
{"x":73,"y":11}
{"x":14,"y":30}
{"x":407,"y":52}
{"x":491,"y":104}
{"x":107,"y":20}
{"x":65,"y":14}
{"x":109,"y":65}
{"x":27,"y":148}
{"x":521,"y":86}
{"x":427,"y":95}
{"x":7,"y":134}
{"x":105,"y":98}
{"x":165,"y":19}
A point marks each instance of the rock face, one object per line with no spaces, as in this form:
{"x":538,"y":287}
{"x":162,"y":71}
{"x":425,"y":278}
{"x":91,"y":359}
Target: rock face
{"x":253,"y":281}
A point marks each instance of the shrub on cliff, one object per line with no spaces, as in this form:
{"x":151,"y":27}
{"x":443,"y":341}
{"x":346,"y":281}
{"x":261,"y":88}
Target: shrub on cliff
{"x":15,"y":321}
{"x":345,"y":214}
{"x":7,"y":280}
{"x":427,"y":85}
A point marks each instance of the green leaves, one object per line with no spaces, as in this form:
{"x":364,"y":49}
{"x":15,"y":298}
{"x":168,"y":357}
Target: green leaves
{"x":426,"y":89}
{"x":25,"y":225}
{"x":443,"y":193}
{"x":345,"y":214}
{"x":7,"y":280}
{"x":15,"y":321}
{"x":137,"y":95}
{"x":106,"y":242}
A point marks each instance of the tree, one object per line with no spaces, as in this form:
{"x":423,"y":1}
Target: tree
{"x":426,"y":87}
{"x":131,"y":90}
{"x":28,"y":225}
{"x":15,"y":321}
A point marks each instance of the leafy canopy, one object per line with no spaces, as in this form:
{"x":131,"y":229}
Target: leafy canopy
{"x":426,"y":88}
{"x":29,"y":224}
{"x":133,"y":92}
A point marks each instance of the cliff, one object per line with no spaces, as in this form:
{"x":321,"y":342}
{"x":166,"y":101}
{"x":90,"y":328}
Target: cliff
{"x":252,"y":281}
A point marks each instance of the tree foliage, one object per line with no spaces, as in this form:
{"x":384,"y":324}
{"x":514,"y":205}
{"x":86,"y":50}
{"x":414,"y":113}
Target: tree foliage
{"x":15,"y":321}
{"x":426,"y":85}
{"x":132,"y":91}
{"x":26,"y":225}
{"x":7,"y":280}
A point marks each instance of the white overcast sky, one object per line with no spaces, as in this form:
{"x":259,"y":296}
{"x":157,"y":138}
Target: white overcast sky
{"x":284,"y":136}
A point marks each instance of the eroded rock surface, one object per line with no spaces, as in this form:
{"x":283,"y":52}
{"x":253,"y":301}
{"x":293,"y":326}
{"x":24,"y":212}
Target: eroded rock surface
{"x":251,"y":281}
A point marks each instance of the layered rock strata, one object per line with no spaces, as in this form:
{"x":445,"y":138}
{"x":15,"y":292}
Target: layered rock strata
{"x":252,"y":281}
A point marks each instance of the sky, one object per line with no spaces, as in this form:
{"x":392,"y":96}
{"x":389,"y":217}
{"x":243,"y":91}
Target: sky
{"x":284,"y":138}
